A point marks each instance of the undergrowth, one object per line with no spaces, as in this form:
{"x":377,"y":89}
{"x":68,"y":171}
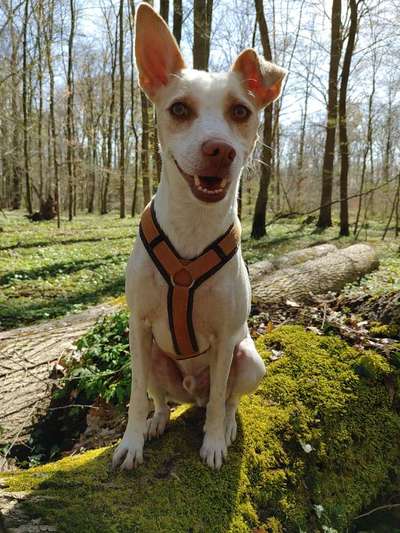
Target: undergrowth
{"x":317,"y":443}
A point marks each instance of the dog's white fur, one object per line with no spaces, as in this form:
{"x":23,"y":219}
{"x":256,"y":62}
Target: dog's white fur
{"x":222,"y":303}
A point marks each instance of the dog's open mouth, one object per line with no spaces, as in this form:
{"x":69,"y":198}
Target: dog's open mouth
{"x":206,"y":188}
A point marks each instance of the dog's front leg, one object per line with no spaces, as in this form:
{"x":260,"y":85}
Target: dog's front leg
{"x":130,"y":450}
{"x":214,"y":450}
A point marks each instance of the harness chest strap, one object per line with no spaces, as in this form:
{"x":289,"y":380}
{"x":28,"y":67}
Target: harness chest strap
{"x":183,"y":277}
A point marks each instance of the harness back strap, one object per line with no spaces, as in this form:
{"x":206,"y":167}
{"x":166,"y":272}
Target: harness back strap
{"x":183,"y":277}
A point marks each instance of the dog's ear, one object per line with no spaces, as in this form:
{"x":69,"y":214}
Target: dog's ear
{"x":262,"y":79}
{"x":157,"y":53}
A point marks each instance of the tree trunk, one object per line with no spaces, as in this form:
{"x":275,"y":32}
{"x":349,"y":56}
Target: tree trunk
{"x":388,"y":144}
{"x":202,"y":22}
{"x":343,"y":138}
{"x":325,"y":213}
{"x":111,"y":118}
{"x":164,"y":9}
{"x":16,"y":168}
{"x":70,"y":117}
{"x":25,"y":109}
{"x":145,"y":160}
{"x":39,"y":20}
{"x":49,"y":39}
{"x":132,"y":94}
{"x":367,"y":149}
{"x":121,"y":113}
{"x":177,"y":23}
{"x":258,"y":228}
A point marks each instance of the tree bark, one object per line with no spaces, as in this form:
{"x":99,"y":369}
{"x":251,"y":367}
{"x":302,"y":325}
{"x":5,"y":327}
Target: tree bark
{"x":111,"y":119}
{"x":368,"y":148}
{"x":49,"y":34}
{"x":177,"y":23}
{"x":164,"y":9}
{"x":70,"y":115}
{"x":121,"y":113}
{"x":131,"y":5}
{"x":325,"y":213}
{"x":25,"y":109}
{"x":343,"y":138}
{"x":258,"y":228}
{"x":328,"y":273}
{"x":202,"y":22}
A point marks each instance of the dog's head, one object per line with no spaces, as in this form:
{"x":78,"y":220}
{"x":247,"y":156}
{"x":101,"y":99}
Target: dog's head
{"x":207,"y":122}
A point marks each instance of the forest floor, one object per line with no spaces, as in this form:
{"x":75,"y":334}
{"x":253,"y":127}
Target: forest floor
{"x":47,"y":272}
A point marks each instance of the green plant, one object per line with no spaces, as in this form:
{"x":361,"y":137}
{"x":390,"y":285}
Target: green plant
{"x":103,"y":370}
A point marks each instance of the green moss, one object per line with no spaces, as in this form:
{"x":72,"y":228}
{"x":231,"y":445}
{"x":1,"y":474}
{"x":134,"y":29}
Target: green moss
{"x":316,"y":444}
{"x":385,"y":330}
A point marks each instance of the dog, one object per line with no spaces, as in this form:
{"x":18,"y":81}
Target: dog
{"x":188,"y":325}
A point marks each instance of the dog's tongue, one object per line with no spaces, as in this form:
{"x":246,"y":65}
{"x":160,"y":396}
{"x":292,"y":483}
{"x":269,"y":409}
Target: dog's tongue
{"x":210,"y":182}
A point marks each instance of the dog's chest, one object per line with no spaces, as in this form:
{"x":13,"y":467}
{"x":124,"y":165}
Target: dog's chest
{"x":220,"y":304}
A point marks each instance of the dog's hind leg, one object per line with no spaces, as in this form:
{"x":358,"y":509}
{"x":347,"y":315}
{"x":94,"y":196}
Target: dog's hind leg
{"x":246,"y":372}
{"x":165,"y":382}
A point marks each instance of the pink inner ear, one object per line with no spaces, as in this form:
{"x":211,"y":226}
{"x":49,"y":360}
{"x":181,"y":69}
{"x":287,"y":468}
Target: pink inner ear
{"x":252,"y":78}
{"x":156,"y":69}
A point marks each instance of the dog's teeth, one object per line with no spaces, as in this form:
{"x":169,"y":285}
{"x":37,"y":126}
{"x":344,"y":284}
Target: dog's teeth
{"x":196,"y":181}
{"x":223,"y":183}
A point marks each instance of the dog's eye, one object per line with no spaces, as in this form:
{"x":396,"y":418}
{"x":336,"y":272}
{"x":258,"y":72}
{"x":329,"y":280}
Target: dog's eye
{"x":179,"y":110}
{"x":240,"y":112}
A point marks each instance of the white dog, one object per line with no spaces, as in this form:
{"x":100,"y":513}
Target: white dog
{"x":188,"y":324}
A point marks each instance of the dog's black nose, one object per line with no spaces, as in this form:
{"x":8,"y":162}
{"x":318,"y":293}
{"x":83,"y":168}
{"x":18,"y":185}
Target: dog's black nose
{"x":219,"y":152}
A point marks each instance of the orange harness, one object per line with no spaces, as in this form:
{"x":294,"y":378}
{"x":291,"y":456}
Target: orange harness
{"x":183,"y":277}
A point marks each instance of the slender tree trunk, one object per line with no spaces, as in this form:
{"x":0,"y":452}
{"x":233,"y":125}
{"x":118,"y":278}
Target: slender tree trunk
{"x":258,"y":228}
{"x":367,"y":149}
{"x":25,"y":108}
{"x":70,"y":113}
{"x":16,"y":168}
{"x":325,"y":213}
{"x":131,"y":5}
{"x":121,"y":113}
{"x":343,"y":138}
{"x":177,"y":23}
{"x":49,"y":39}
{"x":111,"y":119}
{"x":145,"y":160}
{"x":39,"y":19}
{"x":164,"y":9}
{"x":394,"y":211}
{"x":202,"y":22}
{"x":388,"y":143}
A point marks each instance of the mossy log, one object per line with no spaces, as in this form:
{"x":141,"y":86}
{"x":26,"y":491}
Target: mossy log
{"x":317,"y":443}
{"x":317,"y":276}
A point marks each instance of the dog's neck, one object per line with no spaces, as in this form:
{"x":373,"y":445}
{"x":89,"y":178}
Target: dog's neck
{"x":191,"y":225}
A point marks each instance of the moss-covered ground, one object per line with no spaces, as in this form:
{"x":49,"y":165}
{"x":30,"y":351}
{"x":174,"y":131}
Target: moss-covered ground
{"x":46,"y":272}
{"x":318,"y":442}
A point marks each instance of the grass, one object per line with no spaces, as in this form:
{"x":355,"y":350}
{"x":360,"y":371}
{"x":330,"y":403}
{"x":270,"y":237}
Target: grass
{"x":46,"y":272}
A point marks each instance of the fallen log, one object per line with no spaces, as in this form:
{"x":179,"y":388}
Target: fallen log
{"x":316,"y":445}
{"x":28,"y":357}
{"x":257,"y":270}
{"x":330,"y":272}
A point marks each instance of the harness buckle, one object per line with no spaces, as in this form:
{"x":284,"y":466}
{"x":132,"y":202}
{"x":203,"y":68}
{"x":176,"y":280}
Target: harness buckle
{"x":182,"y":278}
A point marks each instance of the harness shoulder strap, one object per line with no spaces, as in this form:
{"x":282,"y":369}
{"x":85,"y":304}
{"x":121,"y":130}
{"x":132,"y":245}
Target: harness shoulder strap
{"x":183,"y":277}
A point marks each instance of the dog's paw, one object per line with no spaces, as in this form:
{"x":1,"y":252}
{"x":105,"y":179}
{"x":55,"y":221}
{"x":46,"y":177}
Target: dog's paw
{"x":157,"y":423}
{"x":230,"y":429}
{"x":129,"y":453}
{"x":214,"y":451}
